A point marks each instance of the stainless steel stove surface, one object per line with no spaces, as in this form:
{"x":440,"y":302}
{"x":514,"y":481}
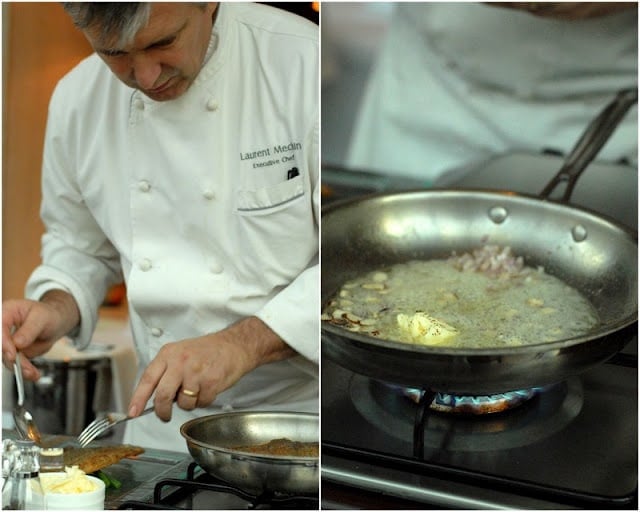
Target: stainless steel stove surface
{"x":573,"y":445}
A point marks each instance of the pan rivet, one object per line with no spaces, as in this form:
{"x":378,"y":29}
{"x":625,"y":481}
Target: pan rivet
{"x":579,"y":233}
{"x":498,"y":214}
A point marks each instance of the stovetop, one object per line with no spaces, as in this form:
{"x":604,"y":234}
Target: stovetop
{"x":194,"y":489}
{"x":171,"y":481}
{"x":573,"y":445}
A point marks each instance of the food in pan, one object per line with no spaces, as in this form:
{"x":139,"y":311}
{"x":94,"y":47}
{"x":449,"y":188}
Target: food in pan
{"x":422,"y":327}
{"x":487,"y":298}
{"x":90,"y":460}
{"x":282,"y":447}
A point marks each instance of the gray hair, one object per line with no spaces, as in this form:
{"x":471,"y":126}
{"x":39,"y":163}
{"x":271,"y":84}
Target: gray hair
{"x":118,"y":22}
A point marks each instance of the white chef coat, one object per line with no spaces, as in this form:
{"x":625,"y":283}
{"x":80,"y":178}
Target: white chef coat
{"x":207,"y":205}
{"x":458,"y":83}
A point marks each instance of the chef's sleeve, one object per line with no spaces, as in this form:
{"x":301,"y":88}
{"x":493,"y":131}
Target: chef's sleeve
{"x":76,"y":255}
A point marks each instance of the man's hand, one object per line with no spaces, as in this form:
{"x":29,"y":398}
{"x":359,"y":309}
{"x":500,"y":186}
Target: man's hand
{"x":193,"y":372}
{"x":32,"y":327}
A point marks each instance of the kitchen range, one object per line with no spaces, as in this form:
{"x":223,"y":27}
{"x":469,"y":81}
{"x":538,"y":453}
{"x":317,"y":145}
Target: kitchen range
{"x":565,"y":444}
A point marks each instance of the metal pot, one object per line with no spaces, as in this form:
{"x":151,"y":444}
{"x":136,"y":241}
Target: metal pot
{"x":70,"y":393}
{"x":595,"y":255}
{"x":210,"y":440}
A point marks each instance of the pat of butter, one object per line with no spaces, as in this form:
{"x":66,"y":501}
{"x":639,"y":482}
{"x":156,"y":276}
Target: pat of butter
{"x":73,"y":481}
{"x":426,"y":330}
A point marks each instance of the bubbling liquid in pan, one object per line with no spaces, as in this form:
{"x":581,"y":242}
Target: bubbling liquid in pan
{"x":484,"y":299}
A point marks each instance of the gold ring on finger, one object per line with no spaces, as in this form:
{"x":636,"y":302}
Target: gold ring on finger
{"x":190,"y":393}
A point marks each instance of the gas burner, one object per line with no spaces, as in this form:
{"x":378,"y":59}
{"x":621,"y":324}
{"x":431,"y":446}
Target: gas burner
{"x":401,"y":413}
{"x":472,"y":404}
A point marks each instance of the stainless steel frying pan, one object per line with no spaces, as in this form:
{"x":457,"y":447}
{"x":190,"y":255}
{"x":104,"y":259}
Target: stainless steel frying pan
{"x":592,"y":253}
{"x":210,"y":440}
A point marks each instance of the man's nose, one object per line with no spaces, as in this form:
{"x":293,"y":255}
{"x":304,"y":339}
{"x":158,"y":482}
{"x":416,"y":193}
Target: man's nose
{"x":146,"y":71}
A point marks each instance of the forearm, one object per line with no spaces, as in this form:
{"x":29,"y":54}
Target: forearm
{"x":258,"y":340}
{"x":67,"y":309}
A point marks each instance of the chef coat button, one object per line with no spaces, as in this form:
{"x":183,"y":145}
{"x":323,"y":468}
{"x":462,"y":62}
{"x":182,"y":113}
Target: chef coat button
{"x":216,"y":268}
{"x":145,"y":264}
{"x":212,"y":105}
{"x":144,"y":186}
{"x":156,"y":331}
{"x":208,"y":194}
{"x":139,"y":104}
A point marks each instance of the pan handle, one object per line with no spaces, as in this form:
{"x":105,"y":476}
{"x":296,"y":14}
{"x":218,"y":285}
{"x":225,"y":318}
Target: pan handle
{"x":590,"y":143}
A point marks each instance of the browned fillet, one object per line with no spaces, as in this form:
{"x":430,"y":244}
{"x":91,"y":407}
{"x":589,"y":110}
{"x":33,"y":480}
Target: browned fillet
{"x":93,"y":459}
{"x":284,"y":447}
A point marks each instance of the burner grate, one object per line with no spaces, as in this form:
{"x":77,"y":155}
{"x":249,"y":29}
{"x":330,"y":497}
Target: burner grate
{"x":170,"y":493}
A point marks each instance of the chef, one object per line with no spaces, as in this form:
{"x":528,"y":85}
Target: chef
{"x":182,"y":158}
{"x":457,"y":83}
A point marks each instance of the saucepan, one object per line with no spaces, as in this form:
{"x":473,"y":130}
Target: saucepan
{"x":590,"y":252}
{"x":211,"y":441}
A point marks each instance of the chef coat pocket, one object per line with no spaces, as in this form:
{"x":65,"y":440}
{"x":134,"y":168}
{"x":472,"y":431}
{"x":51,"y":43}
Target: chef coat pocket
{"x":268,"y":200}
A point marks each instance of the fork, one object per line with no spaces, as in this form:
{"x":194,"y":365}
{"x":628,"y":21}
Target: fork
{"x":100,"y":425}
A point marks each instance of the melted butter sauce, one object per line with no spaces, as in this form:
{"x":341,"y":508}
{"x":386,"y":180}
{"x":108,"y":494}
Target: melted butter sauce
{"x":487,"y":312}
